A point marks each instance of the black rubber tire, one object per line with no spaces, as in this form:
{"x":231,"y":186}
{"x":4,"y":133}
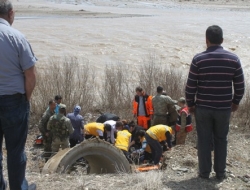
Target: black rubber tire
{"x":102,"y":157}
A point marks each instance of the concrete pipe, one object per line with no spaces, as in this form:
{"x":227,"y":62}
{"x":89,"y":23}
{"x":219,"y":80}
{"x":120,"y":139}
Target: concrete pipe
{"x":102,"y":157}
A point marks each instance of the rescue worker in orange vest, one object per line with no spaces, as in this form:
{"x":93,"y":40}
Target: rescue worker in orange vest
{"x":123,"y":138}
{"x":156,"y":134}
{"x":184,"y":122}
{"x":94,"y":130}
{"x":142,"y":108}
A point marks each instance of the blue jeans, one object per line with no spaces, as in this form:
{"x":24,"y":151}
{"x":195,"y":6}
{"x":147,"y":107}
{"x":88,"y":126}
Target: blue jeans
{"x":155,"y":147}
{"x":14,"y":114}
{"x":212,"y":124}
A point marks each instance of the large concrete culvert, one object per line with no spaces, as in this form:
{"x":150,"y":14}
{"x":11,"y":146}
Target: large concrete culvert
{"x":102,"y":157}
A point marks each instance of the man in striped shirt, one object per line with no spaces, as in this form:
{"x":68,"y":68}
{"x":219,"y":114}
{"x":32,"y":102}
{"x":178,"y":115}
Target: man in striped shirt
{"x":214,"y":89}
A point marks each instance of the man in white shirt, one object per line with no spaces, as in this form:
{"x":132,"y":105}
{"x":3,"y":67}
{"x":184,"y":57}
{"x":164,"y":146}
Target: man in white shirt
{"x":110,"y":131}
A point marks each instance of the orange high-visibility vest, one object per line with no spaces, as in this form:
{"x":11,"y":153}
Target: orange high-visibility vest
{"x":188,"y":126}
{"x":147,"y":100}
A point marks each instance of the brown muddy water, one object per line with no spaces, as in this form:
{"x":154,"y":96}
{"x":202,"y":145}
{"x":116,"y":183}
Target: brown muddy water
{"x":105,"y":32}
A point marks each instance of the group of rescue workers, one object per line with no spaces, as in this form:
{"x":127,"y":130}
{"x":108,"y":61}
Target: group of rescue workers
{"x":158,"y":119}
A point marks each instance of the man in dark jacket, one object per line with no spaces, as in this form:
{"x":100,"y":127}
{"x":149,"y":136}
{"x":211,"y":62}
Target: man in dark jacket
{"x":214,"y":89}
{"x":133,"y":129}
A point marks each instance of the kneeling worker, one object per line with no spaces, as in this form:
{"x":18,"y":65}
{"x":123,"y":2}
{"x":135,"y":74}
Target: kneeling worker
{"x":94,"y":130}
{"x":156,"y":134}
{"x":123,"y":138}
{"x":109,"y":131}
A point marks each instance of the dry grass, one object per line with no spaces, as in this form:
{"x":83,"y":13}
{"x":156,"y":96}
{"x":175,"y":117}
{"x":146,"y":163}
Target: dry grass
{"x":111,"y":90}
{"x":75,"y":80}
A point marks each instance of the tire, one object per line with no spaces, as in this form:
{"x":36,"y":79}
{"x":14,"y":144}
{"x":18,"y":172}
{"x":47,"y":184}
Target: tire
{"x":102,"y":157}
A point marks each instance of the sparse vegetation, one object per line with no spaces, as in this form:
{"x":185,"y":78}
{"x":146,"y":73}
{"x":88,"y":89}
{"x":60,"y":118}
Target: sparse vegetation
{"x":113,"y":91}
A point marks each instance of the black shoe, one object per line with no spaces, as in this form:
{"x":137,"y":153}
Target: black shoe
{"x":203,"y":177}
{"x":174,"y":143}
{"x":32,"y":186}
{"x":222,"y":177}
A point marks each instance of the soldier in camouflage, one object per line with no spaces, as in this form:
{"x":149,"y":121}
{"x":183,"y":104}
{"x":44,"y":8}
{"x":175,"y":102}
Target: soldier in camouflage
{"x":60,"y":128}
{"x":47,"y":140}
{"x":160,"y":106}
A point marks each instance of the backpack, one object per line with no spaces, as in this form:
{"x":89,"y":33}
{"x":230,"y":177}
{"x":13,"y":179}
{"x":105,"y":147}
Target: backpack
{"x":58,"y":128}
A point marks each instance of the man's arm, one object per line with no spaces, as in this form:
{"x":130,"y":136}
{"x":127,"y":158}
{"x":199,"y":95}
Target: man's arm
{"x":49,"y":125}
{"x":70,"y":127}
{"x":43,"y":123}
{"x":239,"y":87}
{"x":191,"y":86}
{"x":150,"y":106}
{"x":30,"y":81}
{"x":134,"y":104}
{"x":169,"y":100}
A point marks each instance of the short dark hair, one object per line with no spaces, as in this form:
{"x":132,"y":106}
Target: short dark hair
{"x":140,"y":133}
{"x":138,"y":89}
{"x":124,"y":121}
{"x":58,"y":97}
{"x":159,"y":89}
{"x":5,"y":7}
{"x":107,"y":127}
{"x":131,"y":124}
{"x":51,"y":101}
{"x":214,"y":34}
{"x":119,"y":124}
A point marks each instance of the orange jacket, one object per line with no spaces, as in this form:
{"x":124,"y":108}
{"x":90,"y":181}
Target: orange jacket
{"x":147,"y":100}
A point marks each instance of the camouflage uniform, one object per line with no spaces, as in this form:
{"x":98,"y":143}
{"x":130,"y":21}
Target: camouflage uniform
{"x":60,"y":128}
{"x":160,"y":106}
{"x":172,"y":114}
{"x":47,"y":140}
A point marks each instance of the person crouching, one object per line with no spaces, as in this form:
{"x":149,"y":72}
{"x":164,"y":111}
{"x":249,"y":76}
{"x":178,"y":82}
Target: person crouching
{"x":156,"y":134}
{"x":123,"y":138}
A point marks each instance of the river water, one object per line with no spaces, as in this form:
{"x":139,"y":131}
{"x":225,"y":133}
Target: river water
{"x":171,"y":31}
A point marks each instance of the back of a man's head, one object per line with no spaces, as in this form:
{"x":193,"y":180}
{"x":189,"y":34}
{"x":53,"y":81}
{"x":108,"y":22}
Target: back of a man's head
{"x":214,"y":34}
{"x":119,"y":125}
{"x":159,"y":89}
{"x":5,"y":7}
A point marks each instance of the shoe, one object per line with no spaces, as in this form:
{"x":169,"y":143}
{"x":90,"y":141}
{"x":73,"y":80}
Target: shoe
{"x":32,"y":186}
{"x":174,"y":143}
{"x":203,"y":177}
{"x":222,"y":177}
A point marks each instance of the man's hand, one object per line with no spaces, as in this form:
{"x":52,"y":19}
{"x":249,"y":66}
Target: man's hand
{"x":234,"y":107}
{"x":134,"y":153}
{"x":191,"y":109}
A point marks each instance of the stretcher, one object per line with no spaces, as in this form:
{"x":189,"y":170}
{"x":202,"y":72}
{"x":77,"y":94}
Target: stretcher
{"x":145,"y":168}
